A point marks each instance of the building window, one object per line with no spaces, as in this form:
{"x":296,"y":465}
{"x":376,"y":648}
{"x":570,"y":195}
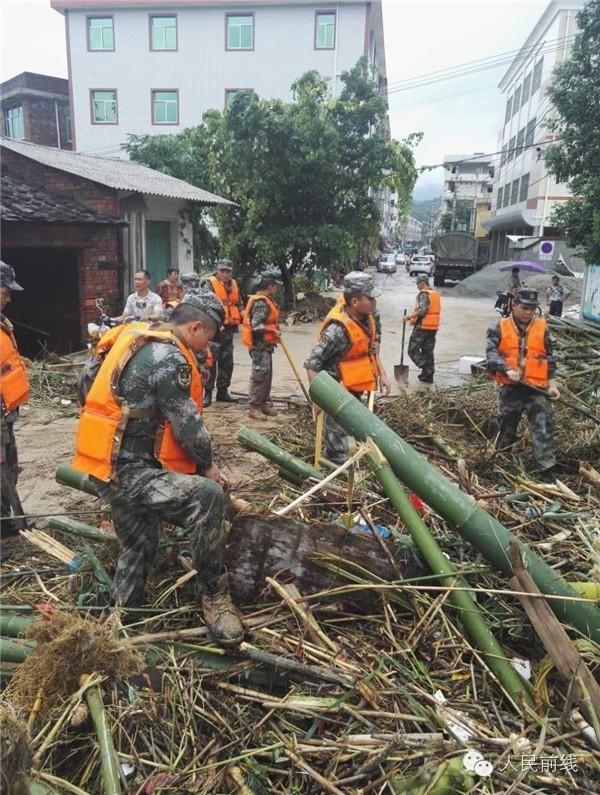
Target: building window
{"x":511,"y":149}
{"x":508,"y":114}
{"x":516,"y":101}
{"x":520,"y":142}
{"x":499,"y":199}
{"x":530,"y":132}
{"x":504,"y":155}
{"x":104,"y":106}
{"x":514,"y":193}
{"x":240,"y":32}
{"x":14,"y":122}
{"x":506,"y":199}
{"x":325,"y":30}
{"x":231,"y":94}
{"x":101,"y":34}
{"x":537,"y":75}
{"x":524,"y":190}
{"x":163,"y":33}
{"x":165,"y":107}
{"x":526,"y":90}
{"x":68,"y":127}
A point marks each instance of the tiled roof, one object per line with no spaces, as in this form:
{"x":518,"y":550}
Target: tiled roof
{"x":20,"y":201}
{"x":115,"y":173}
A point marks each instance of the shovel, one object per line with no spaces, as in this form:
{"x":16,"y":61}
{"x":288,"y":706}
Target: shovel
{"x":401,"y":370}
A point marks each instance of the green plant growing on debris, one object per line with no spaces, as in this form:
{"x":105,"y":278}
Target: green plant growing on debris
{"x":304,"y":174}
{"x":575,"y":158}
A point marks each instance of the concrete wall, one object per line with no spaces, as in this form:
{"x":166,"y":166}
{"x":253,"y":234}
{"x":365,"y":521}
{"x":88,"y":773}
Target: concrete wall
{"x":201,"y":68}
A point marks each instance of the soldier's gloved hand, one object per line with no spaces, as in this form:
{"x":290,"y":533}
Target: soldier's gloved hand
{"x":553,"y":391}
{"x":513,"y":375}
{"x":214,"y":473}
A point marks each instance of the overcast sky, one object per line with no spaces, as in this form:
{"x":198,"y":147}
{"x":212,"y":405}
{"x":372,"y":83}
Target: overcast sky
{"x":456,"y":116}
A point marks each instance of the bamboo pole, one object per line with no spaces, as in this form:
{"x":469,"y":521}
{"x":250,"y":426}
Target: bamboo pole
{"x":11,"y":651}
{"x":295,"y":370}
{"x":72,"y":527}
{"x":469,"y":614}
{"x":67,"y":476}
{"x":108,"y":755}
{"x":319,"y":438}
{"x":15,"y":626}
{"x":254,"y":441}
{"x":481,"y":529}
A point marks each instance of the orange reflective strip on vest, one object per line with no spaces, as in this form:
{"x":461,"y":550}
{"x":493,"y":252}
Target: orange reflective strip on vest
{"x":525,"y":353}
{"x":271,"y":326}
{"x":105,"y":415}
{"x":358,"y":368}
{"x":230,"y":300}
{"x":14,"y":383}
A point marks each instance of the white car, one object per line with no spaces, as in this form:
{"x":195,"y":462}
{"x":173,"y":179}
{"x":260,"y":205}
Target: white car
{"x":400,"y":258}
{"x":386,"y":264}
{"x":421,"y":263}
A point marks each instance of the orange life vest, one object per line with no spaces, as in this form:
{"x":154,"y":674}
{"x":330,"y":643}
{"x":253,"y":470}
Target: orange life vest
{"x":525,"y":353}
{"x":358,"y":369}
{"x":105,"y":414}
{"x":230,"y":300}
{"x":270,"y":335}
{"x":431,"y":320}
{"x":14,"y":383}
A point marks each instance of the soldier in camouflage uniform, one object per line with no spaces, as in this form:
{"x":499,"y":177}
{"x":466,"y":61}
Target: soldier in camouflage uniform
{"x":515,"y":397}
{"x":421,"y":344}
{"x":332,"y":347}
{"x":155,"y":385}
{"x":254,"y":331}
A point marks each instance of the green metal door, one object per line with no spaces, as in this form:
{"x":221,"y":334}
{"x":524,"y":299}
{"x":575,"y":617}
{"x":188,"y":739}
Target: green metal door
{"x":158,"y":250}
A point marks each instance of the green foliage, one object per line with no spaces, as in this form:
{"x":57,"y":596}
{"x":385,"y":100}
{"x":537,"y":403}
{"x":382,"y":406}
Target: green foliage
{"x":302,"y":174}
{"x":421,"y":210}
{"x":575,"y":158}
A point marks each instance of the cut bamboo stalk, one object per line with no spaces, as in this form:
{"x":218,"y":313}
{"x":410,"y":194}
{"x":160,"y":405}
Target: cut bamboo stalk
{"x":254,"y":441}
{"x":469,"y":614}
{"x":303,"y":613}
{"x":108,"y":755}
{"x":11,"y":651}
{"x":66,"y":525}
{"x":15,"y":626}
{"x":319,"y":437}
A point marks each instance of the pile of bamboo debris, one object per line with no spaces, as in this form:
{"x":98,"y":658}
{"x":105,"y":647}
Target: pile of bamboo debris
{"x":446,"y":678}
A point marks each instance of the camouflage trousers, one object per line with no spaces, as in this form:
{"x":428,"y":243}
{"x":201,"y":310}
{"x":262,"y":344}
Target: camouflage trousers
{"x":513,"y":402}
{"x":222,"y":369}
{"x":335,"y":440}
{"x":147,"y":496}
{"x":261,"y":375}
{"x":10,"y":462}
{"x":420,"y":349}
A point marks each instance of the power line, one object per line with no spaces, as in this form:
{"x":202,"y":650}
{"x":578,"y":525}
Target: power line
{"x":480,"y":155}
{"x":501,"y":58}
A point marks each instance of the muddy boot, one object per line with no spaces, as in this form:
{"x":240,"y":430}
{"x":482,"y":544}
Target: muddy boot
{"x":207,"y":399}
{"x":220,"y":615}
{"x":255,"y":413}
{"x":223,"y":396}
{"x":268,"y":410}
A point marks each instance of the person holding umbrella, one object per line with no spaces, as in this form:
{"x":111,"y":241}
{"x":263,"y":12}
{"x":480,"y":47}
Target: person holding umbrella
{"x":519,"y":357}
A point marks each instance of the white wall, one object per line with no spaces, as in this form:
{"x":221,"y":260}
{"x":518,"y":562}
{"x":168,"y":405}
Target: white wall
{"x":201,"y":68}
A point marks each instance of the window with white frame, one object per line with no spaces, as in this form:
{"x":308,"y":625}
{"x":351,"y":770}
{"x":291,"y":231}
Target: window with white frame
{"x":516,"y":100}
{"x":104,"y":106}
{"x":499,"y":198}
{"x":537,"y":75}
{"x":524,"y":190}
{"x":325,"y":30}
{"x":163,"y":32}
{"x":232,"y":93}
{"x":165,"y":107}
{"x":530,"y":132}
{"x":514,"y":193}
{"x":526,"y":89}
{"x":101,"y":34}
{"x":508,"y":114}
{"x":240,"y":32}
{"x":520,"y":141}
{"x":14,"y":123}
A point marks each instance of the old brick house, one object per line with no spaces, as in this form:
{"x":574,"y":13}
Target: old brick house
{"x":36,"y":108}
{"x":77,"y":227}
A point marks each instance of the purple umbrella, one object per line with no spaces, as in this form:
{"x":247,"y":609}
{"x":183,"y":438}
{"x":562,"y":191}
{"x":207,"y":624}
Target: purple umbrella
{"x":524,"y":265}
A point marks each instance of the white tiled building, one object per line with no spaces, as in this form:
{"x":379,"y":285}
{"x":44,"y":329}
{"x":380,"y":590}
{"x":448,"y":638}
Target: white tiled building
{"x":143,"y":67}
{"x":524,"y":193}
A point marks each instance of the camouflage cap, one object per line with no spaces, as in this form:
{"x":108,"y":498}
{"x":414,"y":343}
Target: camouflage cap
{"x":526,"y":296}
{"x":224,"y":265}
{"x":359,"y":283}
{"x":206,"y":301}
{"x":190,"y":279}
{"x":7,"y":277}
{"x":269,"y":276}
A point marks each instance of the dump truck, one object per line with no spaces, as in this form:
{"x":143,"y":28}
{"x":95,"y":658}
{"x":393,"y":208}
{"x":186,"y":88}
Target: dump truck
{"x":455,"y":256}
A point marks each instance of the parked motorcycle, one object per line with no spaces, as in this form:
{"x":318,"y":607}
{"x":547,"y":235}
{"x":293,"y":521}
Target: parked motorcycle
{"x":503,"y":303}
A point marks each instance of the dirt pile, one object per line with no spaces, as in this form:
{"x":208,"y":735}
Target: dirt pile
{"x":309,"y":307}
{"x":488,"y":280}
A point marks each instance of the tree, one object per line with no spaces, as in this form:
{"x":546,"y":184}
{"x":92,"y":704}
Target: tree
{"x":575,"y":158}
{"x":304,"y":174}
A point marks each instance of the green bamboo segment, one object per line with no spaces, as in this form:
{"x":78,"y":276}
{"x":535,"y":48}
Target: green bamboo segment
{"x":67,"y":476}
{"x":469,"y":614}
{"x":12,"y":651}
{"x":254,"y":441}
{"x":108,"y":755}
{"x":15,"y":626}
{"x":491,"y":538}
{"x":39,"y":788}
{"x":72,"y":527}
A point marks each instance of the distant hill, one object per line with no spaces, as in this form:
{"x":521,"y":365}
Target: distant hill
{"x":421,"y":210}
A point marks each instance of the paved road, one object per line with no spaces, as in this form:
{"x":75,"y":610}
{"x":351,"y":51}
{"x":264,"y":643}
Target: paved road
{"x":462,"y":332}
